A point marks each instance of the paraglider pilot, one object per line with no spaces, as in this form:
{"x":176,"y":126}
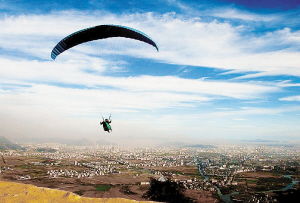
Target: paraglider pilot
{"x":106,"y":125}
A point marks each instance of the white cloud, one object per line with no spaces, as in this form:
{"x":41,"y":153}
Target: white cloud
{"x":248,"y":111}
{"x":71,"y":72}
{"x":70,"y":100}
{"x":287,"y":83}
{"x":201,"y":44}
{"x":222,"y":12}
{"x":291,"y":98}
{"x":181,"y":41}
{"x":233,"y":13}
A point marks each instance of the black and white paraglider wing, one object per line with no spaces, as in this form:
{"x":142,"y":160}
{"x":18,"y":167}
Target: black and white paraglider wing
{"x":99,"y":32}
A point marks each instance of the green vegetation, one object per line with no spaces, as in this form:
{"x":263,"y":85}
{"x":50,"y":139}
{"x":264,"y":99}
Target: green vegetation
{"x":36,"y":173}
{"x":202,"y":146}
{"x":24,"y":166}
{"x":167,"y":191}
{"x":265,"y":184}
{"x":228,"y":189}
{"x":79,"y":192}
{"x":251,"y":181}
{"x":103,"y":187}
{"x":46,"y":150}
{"x":126,"y":190}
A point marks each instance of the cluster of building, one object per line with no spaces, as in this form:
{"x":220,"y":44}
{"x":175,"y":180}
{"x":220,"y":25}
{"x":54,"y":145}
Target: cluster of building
{"x":217,"y":166}
{"x":57,"y":155}
{"x":94,"y":170}
{"x":25,"y":177}
{"x":4,"y":168}
{"x":73,"y":173}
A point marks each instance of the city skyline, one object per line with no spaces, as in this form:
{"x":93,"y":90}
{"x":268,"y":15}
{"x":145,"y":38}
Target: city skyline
{"x":226,"y":71}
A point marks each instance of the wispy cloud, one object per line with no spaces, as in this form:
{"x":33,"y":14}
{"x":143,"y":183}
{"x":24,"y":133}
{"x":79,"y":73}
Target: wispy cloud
{"x":287,"y":83}
{"x":72,"y":72}
{"x":291,"y":98}
{"x":246,"y":111}
{"x":233,"y":13}
{"x":210,"y":44}
{"x":77,"y":84}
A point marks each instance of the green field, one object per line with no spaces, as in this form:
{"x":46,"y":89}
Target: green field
{"x":102,"y":187}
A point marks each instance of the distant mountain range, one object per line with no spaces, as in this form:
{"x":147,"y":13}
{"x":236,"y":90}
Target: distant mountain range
{"x":62,"y":140}
{"x":260,"y":141}
{"x":6,"y":144}
{"x":271,"y":143}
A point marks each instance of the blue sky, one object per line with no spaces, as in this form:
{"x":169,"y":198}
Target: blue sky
{"x":226,"y":71}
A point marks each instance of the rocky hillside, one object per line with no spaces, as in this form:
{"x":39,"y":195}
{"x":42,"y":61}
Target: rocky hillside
{"x":7,"y":144}
{"x":11,"y":192}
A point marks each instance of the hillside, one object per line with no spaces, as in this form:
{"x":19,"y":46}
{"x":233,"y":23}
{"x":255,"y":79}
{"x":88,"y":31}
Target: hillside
{"x":11,"y":192}
{"x":7,"y":144}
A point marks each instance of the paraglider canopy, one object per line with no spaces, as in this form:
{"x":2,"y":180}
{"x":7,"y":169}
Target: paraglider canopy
{"x":99,"y":32}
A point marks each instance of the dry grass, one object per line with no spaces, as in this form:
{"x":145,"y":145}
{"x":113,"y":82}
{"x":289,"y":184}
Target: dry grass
{"x":16,"y":192}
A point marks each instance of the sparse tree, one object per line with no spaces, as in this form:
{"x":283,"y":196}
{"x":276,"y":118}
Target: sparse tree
{"x":167,"y":191}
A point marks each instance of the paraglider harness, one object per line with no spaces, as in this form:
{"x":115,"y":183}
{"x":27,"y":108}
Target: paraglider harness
{"x":106,"y":124}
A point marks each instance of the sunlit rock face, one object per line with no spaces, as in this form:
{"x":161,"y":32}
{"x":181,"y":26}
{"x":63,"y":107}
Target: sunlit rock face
{"x":11,"y":192}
